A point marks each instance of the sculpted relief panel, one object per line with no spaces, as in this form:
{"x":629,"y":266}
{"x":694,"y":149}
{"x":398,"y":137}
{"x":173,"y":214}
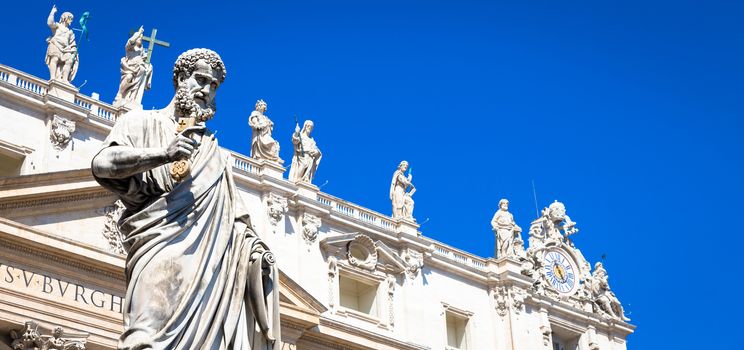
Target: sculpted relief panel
{"x":35,"y":337}
{"x":61,"y":133}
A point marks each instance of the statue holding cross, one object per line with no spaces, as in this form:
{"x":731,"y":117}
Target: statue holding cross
{"x":136,"y":70}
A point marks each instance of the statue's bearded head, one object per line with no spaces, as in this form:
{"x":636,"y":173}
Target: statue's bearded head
{"x":261,"y":106}
{"x":307,"y":127}
{"x":196,"y":76}
{"x":504,"y":204}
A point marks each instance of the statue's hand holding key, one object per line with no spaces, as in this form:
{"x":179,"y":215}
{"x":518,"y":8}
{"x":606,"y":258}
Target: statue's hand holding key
{"x":180,"y":150}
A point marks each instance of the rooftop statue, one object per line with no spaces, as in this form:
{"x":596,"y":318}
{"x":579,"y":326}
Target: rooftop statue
{"x":506,"y":232}
{"x":198,"y":276}
{"x":306,"y":156}
{"x":61,"y":54}
{"x":605,"y":300}
{"x":552,"y":227}
{"x":263,"y":145}
{"x":136,"y":73}
{"x":401,"y":192}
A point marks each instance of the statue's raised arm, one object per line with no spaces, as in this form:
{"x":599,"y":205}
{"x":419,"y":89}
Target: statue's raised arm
{"x":50,"y":20}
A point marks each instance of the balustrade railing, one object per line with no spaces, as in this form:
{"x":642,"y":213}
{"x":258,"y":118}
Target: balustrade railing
{"x":27,"y":84}
{"x":105,"y":113}
{"x":244,"y":163}
{"x":83,"y":103}
{"x":41,"y":87}
{"x":356,"y":212}
{"x":459,"y":256}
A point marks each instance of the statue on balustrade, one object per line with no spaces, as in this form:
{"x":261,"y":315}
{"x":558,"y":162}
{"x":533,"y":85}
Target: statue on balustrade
{"x":401,"y":192}
{"x":507,"y":233}
{"x":604,"y":298}
{"x":306,"y":156}
{"x":136,"y":73}
{"x":263,"y":145}
{"x":198,"y":276}
{"x":61,"y":54}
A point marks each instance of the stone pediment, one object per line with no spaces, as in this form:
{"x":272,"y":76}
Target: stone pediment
{"x":297,"y":305}
{"x":363,"y":252}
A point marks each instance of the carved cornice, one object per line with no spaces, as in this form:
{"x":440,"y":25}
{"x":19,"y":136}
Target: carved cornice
{"x":53,"y":259}
{"x":374,"y":338}
{"x":16,"y":204}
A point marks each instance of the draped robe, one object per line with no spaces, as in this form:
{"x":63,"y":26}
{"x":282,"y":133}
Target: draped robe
{"x":263,"y":146}
{"x":305,"y":158}
{"x":136,"y":75}
{"x":198,"y":277}
{"x":398,"y":193}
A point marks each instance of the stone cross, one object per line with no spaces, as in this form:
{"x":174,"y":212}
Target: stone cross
{"x":151,"y":39}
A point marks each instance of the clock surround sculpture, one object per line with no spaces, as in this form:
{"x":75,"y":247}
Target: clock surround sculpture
{"x":558,"y":267}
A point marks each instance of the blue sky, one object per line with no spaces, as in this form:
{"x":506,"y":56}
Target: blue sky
{"x":630,"y":112}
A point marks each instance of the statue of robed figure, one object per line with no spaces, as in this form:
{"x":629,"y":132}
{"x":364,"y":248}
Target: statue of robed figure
{"x":136,"y":73}
{"x":401,"y":192}
{"x":198,"y":276}
{"x":306,"y":156}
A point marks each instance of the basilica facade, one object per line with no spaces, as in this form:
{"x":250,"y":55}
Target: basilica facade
{"x":349,"y":277}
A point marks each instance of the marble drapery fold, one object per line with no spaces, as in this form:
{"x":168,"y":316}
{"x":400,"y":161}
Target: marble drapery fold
{"x":198,"y":276}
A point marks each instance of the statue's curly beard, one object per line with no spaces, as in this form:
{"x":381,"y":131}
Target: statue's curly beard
{"x":187,"y":107}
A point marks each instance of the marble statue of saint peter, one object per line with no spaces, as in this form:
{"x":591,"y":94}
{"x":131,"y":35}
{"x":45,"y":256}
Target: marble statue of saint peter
{"x":198,"y":276}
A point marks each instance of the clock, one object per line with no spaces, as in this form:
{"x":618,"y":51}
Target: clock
{"x":560,"y":271}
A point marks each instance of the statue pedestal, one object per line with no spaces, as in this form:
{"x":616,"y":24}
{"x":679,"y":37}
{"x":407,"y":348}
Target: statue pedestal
{"x":62,"y":90}
{"x":407,"y":226}
{"x":272,"y":169}
{"x":505,"y":267}
{"x":307,"y":190}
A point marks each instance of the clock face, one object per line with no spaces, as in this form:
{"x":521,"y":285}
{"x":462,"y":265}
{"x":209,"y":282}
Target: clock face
{"x":560,"y":271}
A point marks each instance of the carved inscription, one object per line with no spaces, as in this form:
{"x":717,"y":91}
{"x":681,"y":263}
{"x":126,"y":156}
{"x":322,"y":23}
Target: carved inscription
{"x":18,"y":279}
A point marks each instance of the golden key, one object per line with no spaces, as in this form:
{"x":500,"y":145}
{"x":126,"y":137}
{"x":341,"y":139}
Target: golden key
{"x":181,"y":168}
